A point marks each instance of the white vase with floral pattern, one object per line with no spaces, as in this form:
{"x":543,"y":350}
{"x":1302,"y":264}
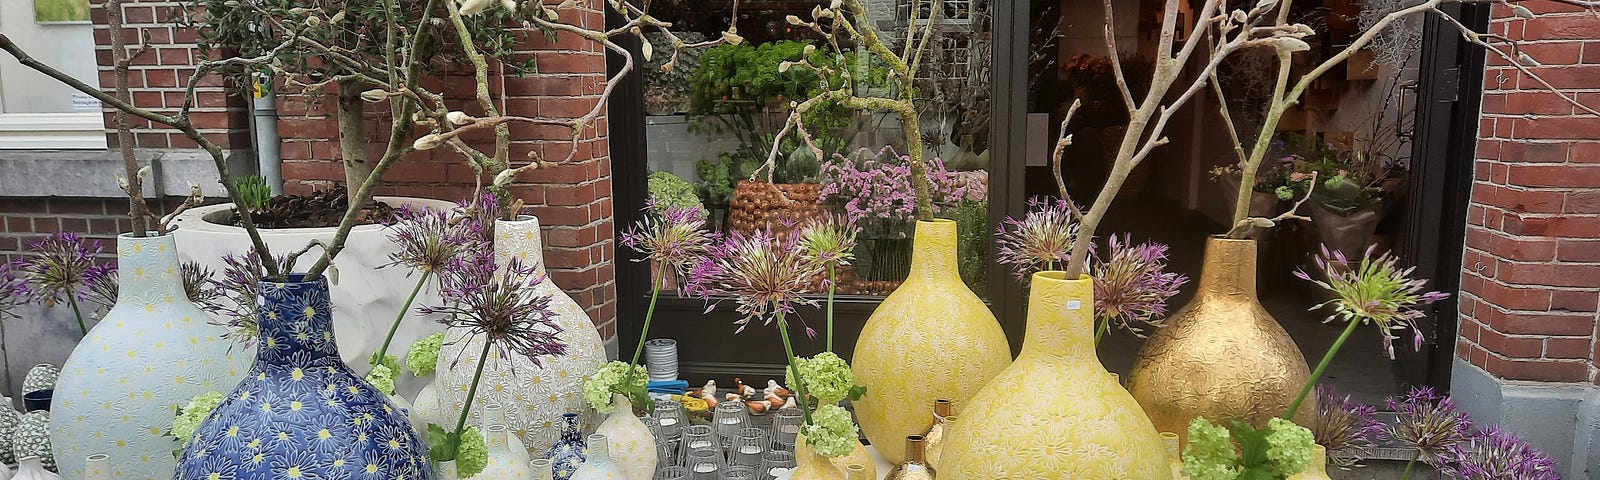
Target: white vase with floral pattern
{"x":597,"y":464}
{"x":535,"y":394}
{"x":633,"y":448}
{"x":152,"y":352}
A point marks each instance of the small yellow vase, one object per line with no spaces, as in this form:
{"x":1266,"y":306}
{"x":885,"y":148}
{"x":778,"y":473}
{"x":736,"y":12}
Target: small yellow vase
{"x":1319,"y":466}
{"x":809,"y":465}
{"x":932,"y":338}
{"x":1222,"y":356}
{"x":1054,"y":413}
{"x":859,"y":455}
{"x":1174,"y":454}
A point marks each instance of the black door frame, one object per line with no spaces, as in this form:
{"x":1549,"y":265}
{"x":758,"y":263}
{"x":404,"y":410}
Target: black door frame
{"x":1448,"y":95}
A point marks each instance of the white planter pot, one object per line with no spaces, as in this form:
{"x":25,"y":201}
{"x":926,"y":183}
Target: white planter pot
{"x":366,"y":298}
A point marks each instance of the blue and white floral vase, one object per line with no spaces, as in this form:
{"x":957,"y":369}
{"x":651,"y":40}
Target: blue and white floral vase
{"x":301,"y":412}
{"x":567,"y":454}
{"x":153,"y":352}
{"x":535,"y":394}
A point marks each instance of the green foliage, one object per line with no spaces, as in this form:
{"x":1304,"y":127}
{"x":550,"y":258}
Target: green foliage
{"x":255,"y":192}
{"x":612,"y":378}
{"x":1241,"y":452}
{"x":719,"y":177}
{"x":827,"y":377}
{"x":424,"y":355}
{"x":669,"y":190}
{"x":61,"y":10}
{"x":382,"y":378}
{"x":466,"y":448}
{"x":972,"y":242}
{"x":831,"y":432}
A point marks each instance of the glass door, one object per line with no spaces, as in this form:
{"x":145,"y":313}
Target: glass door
{"x":35,"y":111}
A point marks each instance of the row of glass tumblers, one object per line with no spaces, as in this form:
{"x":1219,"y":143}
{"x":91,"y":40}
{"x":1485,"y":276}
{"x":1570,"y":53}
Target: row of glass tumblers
{"x":735,"y":446}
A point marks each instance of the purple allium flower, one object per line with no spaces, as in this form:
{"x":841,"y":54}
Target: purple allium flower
{"x":238,"y":288}
{"x":100,"y":284}
{"x":56,"y":270}
{"x":13,"y":290}
{"x":1345,"y":428}
{"x":429,"y":242}
{"x":1376,"y":290}
{"x":501,"y":305}
{"x":103,"y":285}
{"x":674,"y":240}
{"x":480,"y":213}
{"x":197,"y":284}
{"x":1133,"y":286}
{"x":1429,"y":422}
{"x":1042,"y":240}
{"x":1498,"y":455}
{"x":828,"y":240}
{"x":765,"y":273}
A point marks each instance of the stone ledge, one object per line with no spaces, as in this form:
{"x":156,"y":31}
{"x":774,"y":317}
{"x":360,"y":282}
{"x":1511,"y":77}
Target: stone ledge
{"x":93,"y":173}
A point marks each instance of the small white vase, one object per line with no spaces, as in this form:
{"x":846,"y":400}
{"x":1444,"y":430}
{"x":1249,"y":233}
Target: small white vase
{"x":598,"y":465}
{"x":633,"y":448}
{"x":97,"y":467}
{"x":494,"y":416}
{"x":543,"y":469}
{"x":29,"y":468}
{"x":505,"y":463}
{"x":445,"y":471}
{"x":425,"y":409}
{"x":5,"y":472}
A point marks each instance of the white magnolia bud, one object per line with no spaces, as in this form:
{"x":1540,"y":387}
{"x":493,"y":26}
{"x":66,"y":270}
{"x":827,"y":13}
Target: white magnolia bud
{"x":509,"y":5}
{"x":474,"y":7}
{"x":143,"y":172}
{"x":732,"y":37}
{"x":793,"y":20}
{"x":785,"y":66}
{"x":459,"y":118}
{"x":1522,"y":11}
{"x":313,"y":21}
{"x":337,"y":18}
{"x":1292,"y":44}
{"x":648,"y":50}
{"x":428,"y":142}
{"x":504,"y":177}
{"x":375,"y":95}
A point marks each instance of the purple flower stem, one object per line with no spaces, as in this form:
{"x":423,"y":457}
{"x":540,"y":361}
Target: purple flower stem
{"x":1327,"y":358}
{"x":794,"y":367}
{"x":72,"y":299}
{"x":655,"y":292}
{"x":466,"y":408}
{"x":377,"y":357}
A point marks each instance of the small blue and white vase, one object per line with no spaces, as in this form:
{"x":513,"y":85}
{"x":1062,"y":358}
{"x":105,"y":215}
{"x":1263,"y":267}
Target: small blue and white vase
{"x":301,"y":412}
{"x":567,"y":454}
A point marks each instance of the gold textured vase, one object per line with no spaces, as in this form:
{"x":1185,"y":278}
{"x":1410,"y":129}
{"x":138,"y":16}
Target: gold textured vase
{"x":932,"y":338}
{"x":1222,"y":356}
{"x":915,"y":466}
{"x":1054,"y":413}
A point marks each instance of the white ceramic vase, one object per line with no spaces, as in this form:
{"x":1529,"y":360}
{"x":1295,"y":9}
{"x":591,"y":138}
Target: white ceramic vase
{"x":535,"y":396}
{"x":97,"y":467}
{"x":425,"y":409}
{"x":30,"y":468}
{"x":506,"y":461}
{"x":633,"y":448}
{"x":494,"y":416}
{"x":598,"y":465}
{"x":153,"y":352}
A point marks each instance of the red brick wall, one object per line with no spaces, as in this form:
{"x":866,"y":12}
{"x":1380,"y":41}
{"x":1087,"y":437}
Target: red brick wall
{"x":101,"y":219}
{"x":159,"y":75}
{"x":1531,"y":274}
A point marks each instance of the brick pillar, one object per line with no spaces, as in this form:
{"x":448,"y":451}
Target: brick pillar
{"x":572,"y":201}
{"x":1530,"y":284}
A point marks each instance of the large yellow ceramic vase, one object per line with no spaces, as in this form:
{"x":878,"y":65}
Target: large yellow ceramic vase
{"x":932,"y":338}
{"x":1222,"y":356}
{"x":1055,"y":413}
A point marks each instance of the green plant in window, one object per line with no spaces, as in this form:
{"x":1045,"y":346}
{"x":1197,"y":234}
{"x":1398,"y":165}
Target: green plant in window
{"x":669,"y":190}
{"x":972,"y":244}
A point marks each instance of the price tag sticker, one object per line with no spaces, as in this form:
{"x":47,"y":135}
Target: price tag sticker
{"x":1074,"y":304}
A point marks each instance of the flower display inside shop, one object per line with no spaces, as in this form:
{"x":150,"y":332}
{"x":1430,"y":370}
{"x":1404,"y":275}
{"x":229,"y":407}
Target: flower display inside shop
{"x":876,"y":188}
{"x":498,"y":304}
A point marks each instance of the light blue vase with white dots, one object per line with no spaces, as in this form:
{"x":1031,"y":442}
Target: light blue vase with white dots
{"x":153,"y":352}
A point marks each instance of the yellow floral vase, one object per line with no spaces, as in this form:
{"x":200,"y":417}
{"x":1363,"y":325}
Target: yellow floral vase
{"x":932,"y":326}
{"x":858,"y":456}
{"x":1055,"y":413}
{"x":810,"y":465}
{"x":1222,"y":356}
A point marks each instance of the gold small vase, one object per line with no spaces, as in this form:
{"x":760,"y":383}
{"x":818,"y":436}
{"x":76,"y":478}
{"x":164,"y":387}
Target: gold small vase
{"x":931,"y":338}
{"x":1222,"y":356}
{"x":943,"y":414}
{"x":1319,"y":466}
{"x":915,"y":467}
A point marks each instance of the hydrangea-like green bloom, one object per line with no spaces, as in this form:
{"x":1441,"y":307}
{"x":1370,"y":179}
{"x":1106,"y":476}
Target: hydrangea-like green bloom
{"x":189,"y":417}
{"x":597,"y":389}
{"x":392,"y":362}
{"x":1289,"y":446}
{"x":472,"y":455}
{"x":424,"y":355}
{"x":382,"y":378}
{"x":1210,"y":454}
{"x":827,"y":377}
{"x":831,"y":433}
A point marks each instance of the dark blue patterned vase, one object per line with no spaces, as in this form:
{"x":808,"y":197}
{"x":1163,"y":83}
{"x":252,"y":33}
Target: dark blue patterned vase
{"x":301,"y":412}
{"x":567,"y":454}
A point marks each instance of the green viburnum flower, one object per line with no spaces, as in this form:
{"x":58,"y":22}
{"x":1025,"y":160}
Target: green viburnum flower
{"x":1289,"y":446}
{"x":382,"y":378}
{"x":424,"y":355}
{"x":1210,"y":454}
{"x":598,"y":388}
{"x":827,"y":377}
{"x":472,"y":456}
{"x":392,"y":362}
{"x":831,"y":432}
{"x":189,"y":417}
